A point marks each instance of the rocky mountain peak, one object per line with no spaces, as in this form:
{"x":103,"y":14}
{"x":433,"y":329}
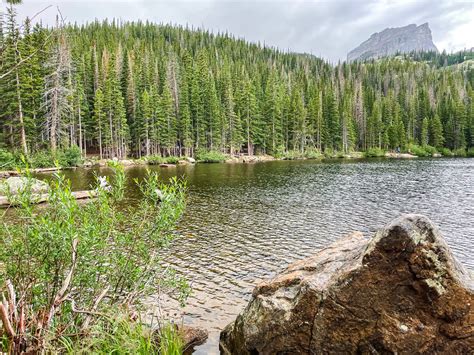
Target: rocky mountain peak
{"x":395,"y":40}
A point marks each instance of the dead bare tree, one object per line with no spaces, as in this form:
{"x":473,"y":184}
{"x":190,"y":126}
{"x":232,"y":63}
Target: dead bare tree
{"x":57,"y":102}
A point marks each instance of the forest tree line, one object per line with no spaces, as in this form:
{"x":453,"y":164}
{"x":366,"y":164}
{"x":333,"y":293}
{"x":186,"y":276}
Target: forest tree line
{"x":118,"y":89}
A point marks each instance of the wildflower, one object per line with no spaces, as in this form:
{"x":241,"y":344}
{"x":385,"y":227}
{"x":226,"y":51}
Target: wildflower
{"x":160,"y":194}
{"x":103,"y":184}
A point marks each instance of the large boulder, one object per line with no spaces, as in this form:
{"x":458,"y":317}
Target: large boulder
{"x":400,"y":292}
{"x":16,"y":184}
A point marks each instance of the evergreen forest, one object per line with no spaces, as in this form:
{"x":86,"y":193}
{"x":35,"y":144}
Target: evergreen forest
{"x":135,"y":89}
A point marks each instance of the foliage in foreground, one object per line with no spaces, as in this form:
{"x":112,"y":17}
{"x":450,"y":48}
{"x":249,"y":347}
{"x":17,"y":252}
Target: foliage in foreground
{"x":118,"y":334}
{"x":64,"y":267}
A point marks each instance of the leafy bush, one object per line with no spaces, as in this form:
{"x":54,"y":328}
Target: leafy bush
{"x":42,"y":159}
{"x":460,"y":152}
{"x":374,"y":153}
{"x":293,"y":155}
{"x":70,"y":157}
{"x":279,"y":152}
{"x":417,"y":150}
{"x":171,"y":159}
{"x":313,"y":154}
{"x":430,"y":150}
{"x":155,"y":160}
{"x":8,"y":160}
{"x":211,"y":156}
{"x":445,"y":152}
{"x":158,"y":159}
{"x":85,"y":259}
{"x":470,"y":152}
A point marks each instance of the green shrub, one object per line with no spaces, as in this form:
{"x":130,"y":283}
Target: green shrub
{"x":102,"y":256}
{"x":172,"y":159}
{"x":460,"y":152}
{"x":70,"y":156}
{"x":155,"y":160}
{"x":8,"y":160}
{"x":470,"y":152}
{"x":211,"y":156}
{"x":158,"y":159}
{"x":313,"y":154}
{"x":417,"y":150}
{"x":374,"y":153}
{"x":279,"y":152}
{"x":292,"y":155}
{"x":430,"y":150}
{"x":445,"y":152}
{"x":42,"y":159}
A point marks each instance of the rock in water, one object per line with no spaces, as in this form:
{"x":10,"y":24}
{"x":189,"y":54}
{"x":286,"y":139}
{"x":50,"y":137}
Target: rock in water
{"x":400,"y":292}
{"x":394,"y":40}
{"x":16,"y":184}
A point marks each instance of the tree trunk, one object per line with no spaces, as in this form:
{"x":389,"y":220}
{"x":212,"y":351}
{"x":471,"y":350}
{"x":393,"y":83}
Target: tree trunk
{"x":20,"y":116}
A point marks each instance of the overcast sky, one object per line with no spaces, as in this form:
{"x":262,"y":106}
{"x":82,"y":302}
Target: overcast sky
{"x":325,"y":28}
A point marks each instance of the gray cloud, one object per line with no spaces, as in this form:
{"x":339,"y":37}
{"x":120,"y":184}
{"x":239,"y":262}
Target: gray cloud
{"x":325,"y":28}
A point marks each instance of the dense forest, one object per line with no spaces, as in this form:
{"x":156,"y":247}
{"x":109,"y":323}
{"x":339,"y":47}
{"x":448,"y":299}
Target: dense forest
{"x":118,"y":89}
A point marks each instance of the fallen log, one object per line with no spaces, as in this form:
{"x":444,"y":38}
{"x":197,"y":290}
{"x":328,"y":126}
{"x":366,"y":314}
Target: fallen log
{"x":8,"y":173}
{"x":42,"y":198}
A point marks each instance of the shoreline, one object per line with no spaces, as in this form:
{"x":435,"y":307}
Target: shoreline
{"x":242,"y":159}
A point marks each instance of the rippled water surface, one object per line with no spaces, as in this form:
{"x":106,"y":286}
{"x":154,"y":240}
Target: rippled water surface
{"x":245,"y":222}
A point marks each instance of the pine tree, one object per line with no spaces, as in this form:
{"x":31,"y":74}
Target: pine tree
{"x":436,"y":138}
{"x":99,"y":118}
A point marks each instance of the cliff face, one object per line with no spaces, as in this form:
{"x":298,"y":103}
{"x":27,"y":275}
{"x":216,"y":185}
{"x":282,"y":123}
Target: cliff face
{"x":393,"y":40}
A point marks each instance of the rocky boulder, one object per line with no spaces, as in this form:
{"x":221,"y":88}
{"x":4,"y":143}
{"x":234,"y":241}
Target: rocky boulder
{"x":16,"y":184}
{"x":400,"y":292}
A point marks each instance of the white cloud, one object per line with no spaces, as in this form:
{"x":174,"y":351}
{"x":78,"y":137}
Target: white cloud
{"x":325,"y":28}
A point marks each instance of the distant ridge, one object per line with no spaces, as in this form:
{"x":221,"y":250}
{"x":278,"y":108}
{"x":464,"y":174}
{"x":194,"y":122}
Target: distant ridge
{"x":394,"y":40}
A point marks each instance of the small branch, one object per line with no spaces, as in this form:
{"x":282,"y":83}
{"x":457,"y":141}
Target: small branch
{"x":85,"y":325}
{"x":75,"y":310}
{"x":59,"y":298}
{"x":12,"y":299}
{"x":6,"y":322}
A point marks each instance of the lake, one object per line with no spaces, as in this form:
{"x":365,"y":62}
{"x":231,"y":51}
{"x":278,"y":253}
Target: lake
{"x":245,"y":222}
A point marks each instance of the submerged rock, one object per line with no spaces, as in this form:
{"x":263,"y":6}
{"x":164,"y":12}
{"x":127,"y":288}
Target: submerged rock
{"x":192,"y":336}
{"x":17,"y":184}
{"x":400,"y":292}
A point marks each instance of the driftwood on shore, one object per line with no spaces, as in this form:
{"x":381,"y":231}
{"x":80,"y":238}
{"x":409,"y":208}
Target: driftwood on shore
{"x":42,"y":198}
{"x":8,"y":173}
